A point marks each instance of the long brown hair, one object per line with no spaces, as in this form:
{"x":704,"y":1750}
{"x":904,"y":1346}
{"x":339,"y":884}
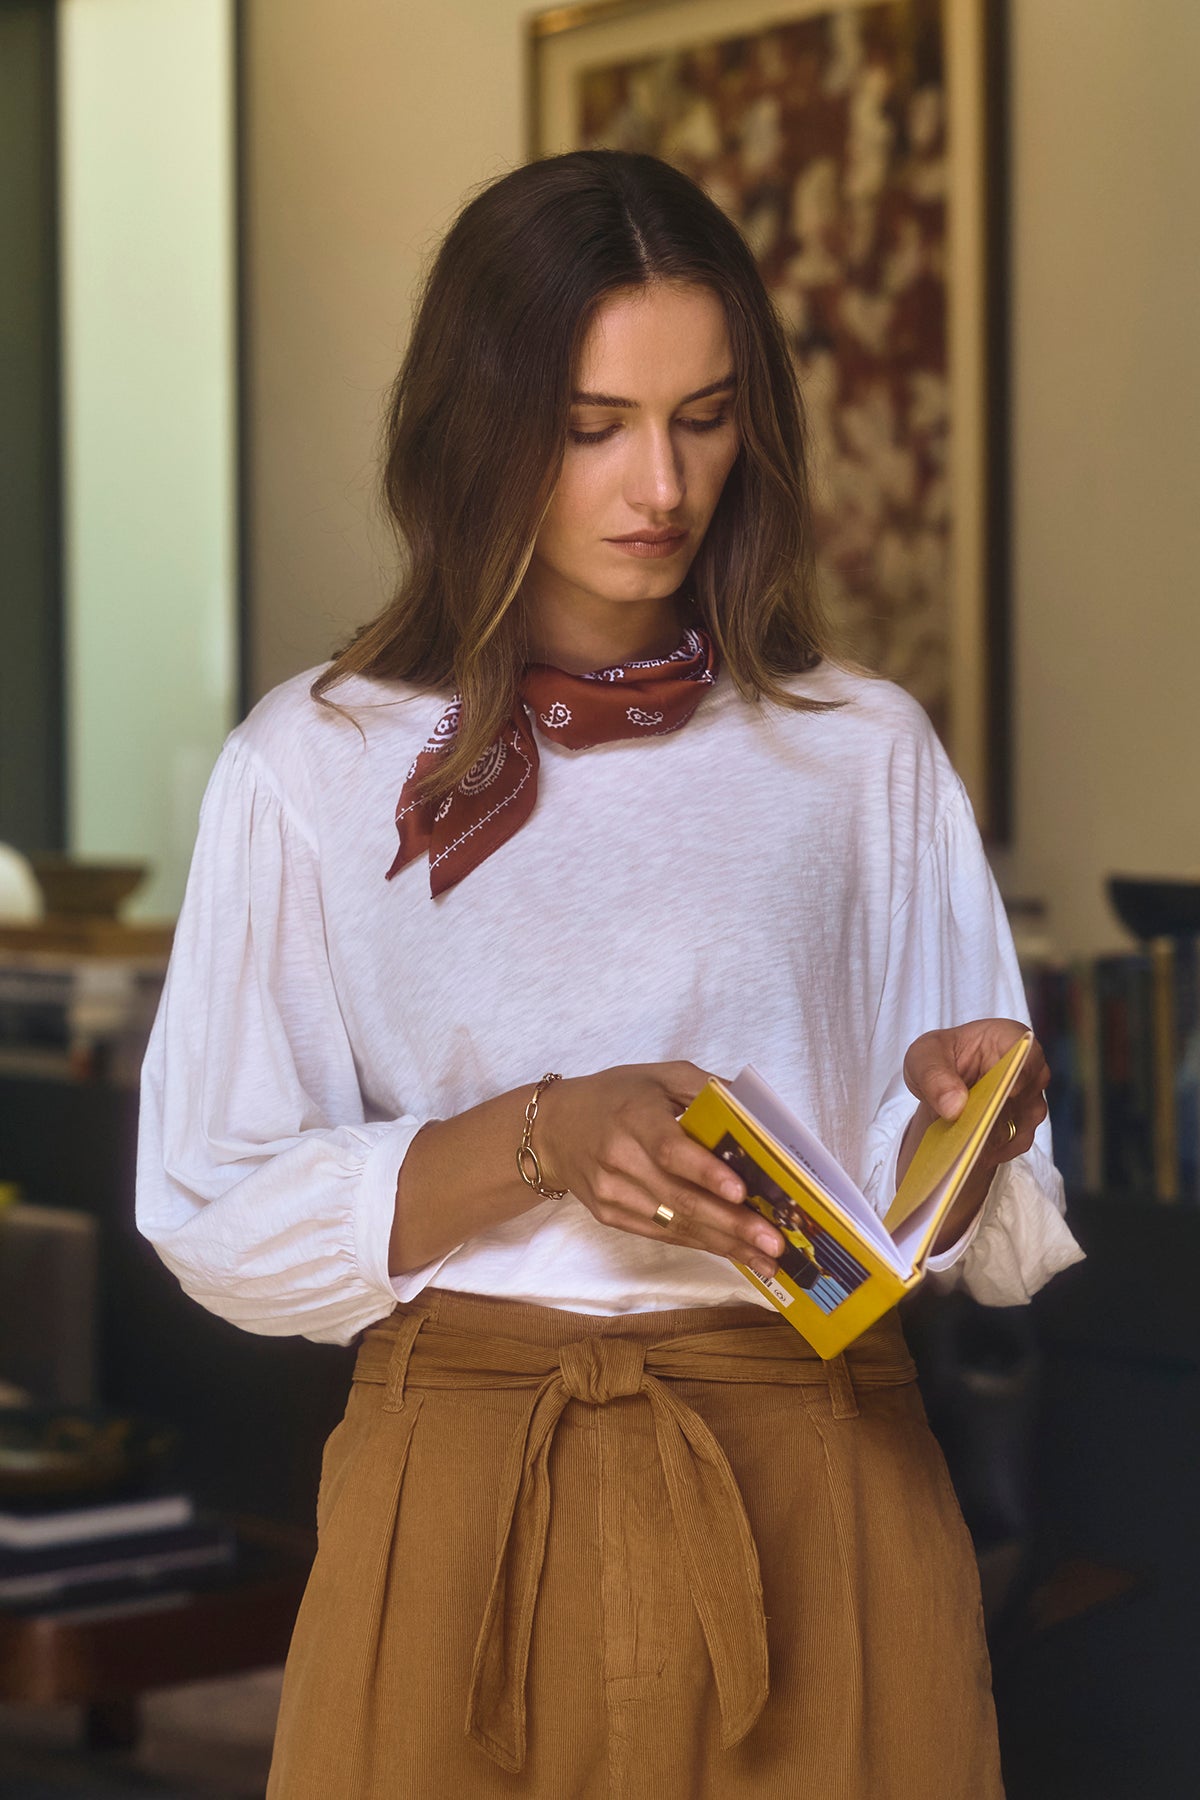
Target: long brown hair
{"x":476,"y":425}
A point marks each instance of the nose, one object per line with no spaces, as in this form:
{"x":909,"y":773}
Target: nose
{"x":656,"y":481}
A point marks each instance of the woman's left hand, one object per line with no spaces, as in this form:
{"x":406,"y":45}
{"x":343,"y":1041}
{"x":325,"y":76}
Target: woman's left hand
{"x":939,"y":1067}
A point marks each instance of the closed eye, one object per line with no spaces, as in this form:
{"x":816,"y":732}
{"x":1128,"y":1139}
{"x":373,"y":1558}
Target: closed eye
{"x":598,"y":437}
{"x":591,"y":437}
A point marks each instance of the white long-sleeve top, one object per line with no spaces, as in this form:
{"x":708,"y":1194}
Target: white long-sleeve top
{"x":807,"y":892}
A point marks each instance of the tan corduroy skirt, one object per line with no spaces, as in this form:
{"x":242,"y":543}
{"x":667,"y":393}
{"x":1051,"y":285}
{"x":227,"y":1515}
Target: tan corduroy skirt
{"x":663,"y":1556}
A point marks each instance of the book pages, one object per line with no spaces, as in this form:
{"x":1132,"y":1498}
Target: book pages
{"x":764,"y":1109}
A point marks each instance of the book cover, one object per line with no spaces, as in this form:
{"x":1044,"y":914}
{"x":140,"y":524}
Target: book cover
{"x":1054,"y":1005}
{"x":33,"y":1525}
{"x":33,"y":1574}
{"x":1186,"y":1075}
{"x":1164,"y":1058}
{"x":1124,"y":997}
{"x":843,"y":1267}
{"x":1085,"y":1024}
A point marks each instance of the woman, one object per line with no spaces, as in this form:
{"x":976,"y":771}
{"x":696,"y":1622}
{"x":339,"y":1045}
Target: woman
{"x":593,"y":797}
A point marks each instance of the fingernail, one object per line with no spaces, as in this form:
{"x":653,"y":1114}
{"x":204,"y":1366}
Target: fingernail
{"x":768,"y":1241}
{"x":766,"y":1270}
{"x":733,"y":1190}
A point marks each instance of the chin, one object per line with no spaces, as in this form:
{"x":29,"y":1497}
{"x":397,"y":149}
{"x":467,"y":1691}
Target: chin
{"x":659,"y":590}
{"x":629,"y":593}
{"x":650,"y":584}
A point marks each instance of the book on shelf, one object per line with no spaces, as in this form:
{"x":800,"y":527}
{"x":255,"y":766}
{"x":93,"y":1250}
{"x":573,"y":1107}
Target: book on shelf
{"x":31,"y":1525}
{"x":80,"y":1013}
{"x":1054,"y":993}
{"x":1184,"y":1045}
{"x":1149,"y":1052}
{"x":1121,"y":1033}
{"x":843,"y":1266}
{"x":49,"y":1302}
{"x":105,"y":1601}
{"x":1175,"y":1066}
{"x":1164,"y":1143}
{"x":1084,"y":1017}
{"x":37,"y":1574}
{"x":1124,"y":1000}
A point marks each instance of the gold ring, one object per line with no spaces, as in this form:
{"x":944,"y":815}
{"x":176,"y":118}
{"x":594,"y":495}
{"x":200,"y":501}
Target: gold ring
{"x":663,"y":1214}
{"x":1012,"y":1131}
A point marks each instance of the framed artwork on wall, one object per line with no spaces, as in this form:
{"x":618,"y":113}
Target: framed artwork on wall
{"x":859,"y":145}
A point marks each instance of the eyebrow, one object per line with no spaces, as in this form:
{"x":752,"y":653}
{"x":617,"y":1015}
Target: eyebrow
{"x":704,"y":393}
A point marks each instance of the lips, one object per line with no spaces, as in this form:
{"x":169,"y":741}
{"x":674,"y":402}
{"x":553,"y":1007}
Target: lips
{"x":651,"y":546}
{"x":665,"y":536}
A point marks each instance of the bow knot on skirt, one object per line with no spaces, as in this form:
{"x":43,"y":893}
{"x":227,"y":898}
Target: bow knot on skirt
{"x":596,"y":1369}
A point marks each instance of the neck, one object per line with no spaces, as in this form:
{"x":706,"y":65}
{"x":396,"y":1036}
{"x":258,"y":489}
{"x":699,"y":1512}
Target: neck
{"x":597,"y":634}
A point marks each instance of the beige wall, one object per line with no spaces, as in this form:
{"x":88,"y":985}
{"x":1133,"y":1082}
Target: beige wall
{"x":369,"y":121}
{"x":1107,"y":451}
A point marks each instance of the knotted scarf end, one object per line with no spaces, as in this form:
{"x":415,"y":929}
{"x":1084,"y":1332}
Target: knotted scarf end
{"x":496,"y":796}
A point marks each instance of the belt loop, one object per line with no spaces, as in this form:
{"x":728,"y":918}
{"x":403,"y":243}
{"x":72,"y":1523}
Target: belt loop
{"x":841,"y":1388}
{"x":397,"y":1369}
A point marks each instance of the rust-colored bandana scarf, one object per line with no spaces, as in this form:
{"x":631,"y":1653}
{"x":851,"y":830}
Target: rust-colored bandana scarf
{"x":497,"y":794}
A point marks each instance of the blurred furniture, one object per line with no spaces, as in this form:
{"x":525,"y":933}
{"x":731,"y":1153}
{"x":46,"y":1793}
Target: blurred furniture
{"x":78,"y":996}
{"x":103,"y":1656}
{"x":251,"y":1414}
{"x":1135,"y":1296}
{"x":254,"y":1412}
{"x":1095,"y":1664}
{"x":1038,"y":1410}
{"x":979,"y":1370}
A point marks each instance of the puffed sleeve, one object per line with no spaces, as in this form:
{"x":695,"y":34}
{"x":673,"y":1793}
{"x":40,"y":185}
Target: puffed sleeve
{"x":951,"y":959}
{"x":260,"y":1182}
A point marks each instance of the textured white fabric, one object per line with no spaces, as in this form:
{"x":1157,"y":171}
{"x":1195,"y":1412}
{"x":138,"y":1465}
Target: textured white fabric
{"x":805,"y":892}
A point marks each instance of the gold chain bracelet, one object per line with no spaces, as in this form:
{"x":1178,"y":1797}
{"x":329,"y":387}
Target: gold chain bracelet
{"x":527,"y":1157}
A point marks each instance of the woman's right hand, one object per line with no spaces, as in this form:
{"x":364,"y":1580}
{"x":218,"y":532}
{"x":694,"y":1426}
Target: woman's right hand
{"x":615,"y":1141}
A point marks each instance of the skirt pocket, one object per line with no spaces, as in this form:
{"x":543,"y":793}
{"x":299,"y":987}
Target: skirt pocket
{"x":338,"y":1455}
{"x":323,"y":1738}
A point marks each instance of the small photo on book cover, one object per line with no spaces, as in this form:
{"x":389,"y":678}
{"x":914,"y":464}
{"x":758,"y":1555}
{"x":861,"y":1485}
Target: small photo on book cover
{"x":813,"y":1259}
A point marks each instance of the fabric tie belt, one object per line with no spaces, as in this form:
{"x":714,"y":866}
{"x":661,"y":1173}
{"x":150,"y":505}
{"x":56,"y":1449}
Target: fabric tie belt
{"x":411,"y":1351}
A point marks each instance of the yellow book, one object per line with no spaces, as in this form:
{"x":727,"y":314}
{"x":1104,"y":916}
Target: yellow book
{"x":843,"y":1267}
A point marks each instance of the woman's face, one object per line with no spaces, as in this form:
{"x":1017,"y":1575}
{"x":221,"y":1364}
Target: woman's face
{"x":650,"y":443}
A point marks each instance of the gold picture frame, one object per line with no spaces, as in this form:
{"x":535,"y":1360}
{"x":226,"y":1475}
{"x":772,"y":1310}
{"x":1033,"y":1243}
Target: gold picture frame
{"x":860,"y":146}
